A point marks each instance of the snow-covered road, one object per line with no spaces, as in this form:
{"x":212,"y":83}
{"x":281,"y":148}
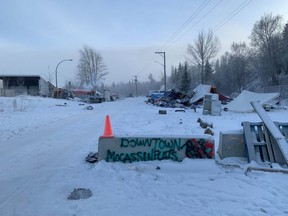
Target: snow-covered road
{"x":42,"y":151}
{"x":29,"y":159}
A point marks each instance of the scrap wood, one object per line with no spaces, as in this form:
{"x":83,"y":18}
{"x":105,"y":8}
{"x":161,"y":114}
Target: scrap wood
{"x":162,"y":112}
{"x":180,"y":110}
{"x":209,"y":131}
{"x":263,"y":169}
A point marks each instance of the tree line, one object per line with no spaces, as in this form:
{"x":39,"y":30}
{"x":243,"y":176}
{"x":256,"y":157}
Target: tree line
{"x":263,"y":63}
{"x":251,"y":66}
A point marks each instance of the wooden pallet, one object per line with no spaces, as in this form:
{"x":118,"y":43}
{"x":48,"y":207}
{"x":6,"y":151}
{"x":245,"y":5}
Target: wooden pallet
{"x":274,"y":135}
{"x":283,"y":127}
{"x":261,"y":145}
{"x":257,"y":149}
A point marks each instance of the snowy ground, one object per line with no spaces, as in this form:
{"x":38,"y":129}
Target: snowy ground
{"x":44,"y":142}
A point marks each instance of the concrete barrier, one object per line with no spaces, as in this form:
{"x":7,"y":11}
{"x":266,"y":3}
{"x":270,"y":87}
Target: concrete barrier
{"x":133,"y":149}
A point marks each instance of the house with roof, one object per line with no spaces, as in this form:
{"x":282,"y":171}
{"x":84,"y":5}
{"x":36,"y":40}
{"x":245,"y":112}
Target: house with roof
{"x":26,"y":84}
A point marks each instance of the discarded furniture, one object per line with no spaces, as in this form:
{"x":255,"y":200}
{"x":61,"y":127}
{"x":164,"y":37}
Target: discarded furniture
{"x":211,"y":105}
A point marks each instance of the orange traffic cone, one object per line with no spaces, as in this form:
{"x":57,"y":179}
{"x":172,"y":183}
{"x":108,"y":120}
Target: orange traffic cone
{"x":108,"y":128}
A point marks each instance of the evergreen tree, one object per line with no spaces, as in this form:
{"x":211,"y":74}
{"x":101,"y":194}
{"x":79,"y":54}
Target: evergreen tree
{"x":240,"y":65}
{"x":185,"y":79}
{"x":176,"y":76}
{"x":222,"y":77}
{"x":208,"y":72}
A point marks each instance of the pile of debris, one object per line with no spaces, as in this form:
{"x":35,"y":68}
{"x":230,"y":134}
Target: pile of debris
{"x":60,"y":93}
{"x":172,"y":99}
{"x":191,"y":99}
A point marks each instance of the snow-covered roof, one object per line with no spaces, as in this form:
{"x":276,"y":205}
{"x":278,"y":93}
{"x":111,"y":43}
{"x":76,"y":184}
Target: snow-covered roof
{"x":200,"y":91}
{"x":242,"y":102}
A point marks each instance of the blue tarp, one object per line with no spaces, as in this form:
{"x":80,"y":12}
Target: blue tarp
{"x":157,"y":95}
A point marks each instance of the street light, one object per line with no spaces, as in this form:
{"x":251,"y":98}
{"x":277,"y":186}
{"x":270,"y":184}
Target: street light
{"x":57,"y":67}
{"x":163,"y":55}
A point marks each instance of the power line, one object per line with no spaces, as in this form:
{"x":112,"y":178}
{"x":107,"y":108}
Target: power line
{"x":222,"y":23}
{"x":228,"y":17}
{"x":172,"y":39}
{"x":206,"y":14}
{"x":231,"y":15}
{"x":181,"y":28}
{"x":186,"y":23}
{"x":145,"y":66}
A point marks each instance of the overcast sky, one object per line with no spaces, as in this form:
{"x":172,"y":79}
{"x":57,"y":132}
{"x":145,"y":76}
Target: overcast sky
{"x":37,"y":34}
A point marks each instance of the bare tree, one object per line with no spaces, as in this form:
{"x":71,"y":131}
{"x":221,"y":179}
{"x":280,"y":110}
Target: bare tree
{"x":266,"y":39}
{"x":205,"y":47}
{"x":223,"y":72}
{"x":91,"y":67}
{"x":236,"y":70}
{"x":284,"y":45}
{"x":239,"y":61}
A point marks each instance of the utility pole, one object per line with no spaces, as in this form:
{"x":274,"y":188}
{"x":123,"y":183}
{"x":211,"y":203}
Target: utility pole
{"x":135,"y":80}
{"x":132,"y":88}
{"x":163,"y":55}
